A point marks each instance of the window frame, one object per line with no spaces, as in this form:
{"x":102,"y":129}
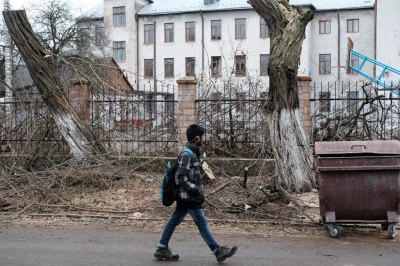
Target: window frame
{"x":324,"y":101}
{"x":240,"y":29}
{"x":354,"y":62}
{"x":190,"y":66}
{"x":119,"y":16}
{"x":169,"y":33}
{"x":350,"y":23}
{"x":216,"y":30}
{"x":100,"y":36}
{"x":264,"y":33}
{"x":148,"y":68}
{"x":216,"y":61}
{"x":148,"y":31}
{"x":119,"y":50}
{"x":190,"y":32}
{"x":240,"y":63}
{"x":264,"y":65}
{"x":325,"y":65}
{"x":84,"y":35}
{"x":169,"y":68}
{"x":323,"y":26}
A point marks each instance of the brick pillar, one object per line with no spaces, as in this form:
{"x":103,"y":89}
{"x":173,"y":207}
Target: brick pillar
{"x":187,"y":109}
{"x":79,"y":96}
{"x":304,"y":84}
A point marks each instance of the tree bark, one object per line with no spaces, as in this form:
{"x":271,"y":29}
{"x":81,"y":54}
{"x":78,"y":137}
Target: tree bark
{"x":81,"y":140}
{"x":291,"y":149}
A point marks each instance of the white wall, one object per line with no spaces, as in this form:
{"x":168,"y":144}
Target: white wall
{"x":227,"y":47}
{"x":337,"y":40}
{"x":388,"y":36}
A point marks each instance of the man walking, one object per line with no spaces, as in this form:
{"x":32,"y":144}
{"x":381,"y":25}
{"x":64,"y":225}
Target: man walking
{"x":190,"y":196}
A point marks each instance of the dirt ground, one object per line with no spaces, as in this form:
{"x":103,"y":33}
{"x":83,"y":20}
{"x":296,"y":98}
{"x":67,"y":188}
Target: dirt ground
{"x":134,"y":201}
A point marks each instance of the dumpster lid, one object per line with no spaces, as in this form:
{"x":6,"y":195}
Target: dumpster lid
{"x":358,"y":147}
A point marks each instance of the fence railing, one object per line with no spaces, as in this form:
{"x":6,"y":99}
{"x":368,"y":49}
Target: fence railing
{"x":146,"y":124}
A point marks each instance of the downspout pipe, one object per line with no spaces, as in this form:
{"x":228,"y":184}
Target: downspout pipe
{"x":338,"y":43}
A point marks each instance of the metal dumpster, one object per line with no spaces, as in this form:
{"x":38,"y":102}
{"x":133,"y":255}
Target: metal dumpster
{"x":358,"y":182}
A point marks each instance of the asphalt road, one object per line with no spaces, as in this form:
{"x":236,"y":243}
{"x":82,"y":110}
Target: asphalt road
{"x":105,"y":246}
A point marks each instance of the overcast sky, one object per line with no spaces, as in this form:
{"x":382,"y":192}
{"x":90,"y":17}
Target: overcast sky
{"x":83,"y":5}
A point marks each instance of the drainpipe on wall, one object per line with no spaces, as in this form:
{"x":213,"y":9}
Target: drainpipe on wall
{"x":338,"y":55}
{"x":137,"y":51}
{"x":154,"y":69}
{"x":202,"y":42}
{"x":375,"y":41}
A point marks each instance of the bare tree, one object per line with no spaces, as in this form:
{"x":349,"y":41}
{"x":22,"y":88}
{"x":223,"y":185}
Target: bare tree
{"x":81,"y":140}
{"x":292,"y":153}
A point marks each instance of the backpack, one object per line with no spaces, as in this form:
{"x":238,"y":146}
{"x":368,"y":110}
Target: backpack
{"x":168,"y":189}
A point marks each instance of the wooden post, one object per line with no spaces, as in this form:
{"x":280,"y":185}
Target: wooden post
{"x":187,"y":109}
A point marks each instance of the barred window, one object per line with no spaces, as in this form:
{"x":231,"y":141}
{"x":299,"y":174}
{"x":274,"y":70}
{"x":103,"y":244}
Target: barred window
{"x":324,"y":101}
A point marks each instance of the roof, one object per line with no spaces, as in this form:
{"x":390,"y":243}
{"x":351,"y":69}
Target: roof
{"x":161,"y":7}
{"x":321,"y":5}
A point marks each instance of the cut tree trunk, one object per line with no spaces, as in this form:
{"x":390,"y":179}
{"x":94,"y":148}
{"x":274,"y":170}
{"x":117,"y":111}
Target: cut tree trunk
{"x":81,"y":140}
{"x":291,"y":148}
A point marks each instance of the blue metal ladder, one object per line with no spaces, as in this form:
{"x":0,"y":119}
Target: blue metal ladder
{"x":373,"y":61}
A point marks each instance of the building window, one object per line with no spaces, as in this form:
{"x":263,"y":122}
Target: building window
{"x":263,"y":29}
{"x":119,"y":51}
{"x":324,"y":101}
{"x":240,"y":101}
{"x":84,"y":37}
{"x":240,"y":65}
{"x":216,"y":66}
{"x":169,"y":32}
{"x":352,"y":25}
{"x":354,"y":62}
{"x":148,"y":34}
{"x":190,"y":31}
{"x":216,"y":98}
{"x":169,"y":68}
{"x":190,"y":66}
{"x":264,"y":63}
{"x":324,"y":27}
{"x":240,"y":28}
{"x":148,"y":68}
{"x":352,"y":99}
{"x":100,"y":36}
{"x":119,"y":16}
{"x":324,"y":64}
{"x":215,"y":29}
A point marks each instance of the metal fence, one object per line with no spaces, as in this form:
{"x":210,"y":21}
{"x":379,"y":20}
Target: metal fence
{"x":354,"y":111}
{"x":145,"y":124}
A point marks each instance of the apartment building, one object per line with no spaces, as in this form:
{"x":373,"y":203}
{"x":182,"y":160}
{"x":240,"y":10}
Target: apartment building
{"x":220,"y":41}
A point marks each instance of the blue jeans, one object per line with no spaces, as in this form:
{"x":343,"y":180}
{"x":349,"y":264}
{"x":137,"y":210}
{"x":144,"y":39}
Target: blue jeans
{"x":198,"y":217}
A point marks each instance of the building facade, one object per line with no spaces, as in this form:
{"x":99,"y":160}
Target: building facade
{"x":225,"y":41}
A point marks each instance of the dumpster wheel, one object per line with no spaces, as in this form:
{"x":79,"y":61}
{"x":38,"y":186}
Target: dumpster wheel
{"x":392,"y":231}
{"x":334,"y":230}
